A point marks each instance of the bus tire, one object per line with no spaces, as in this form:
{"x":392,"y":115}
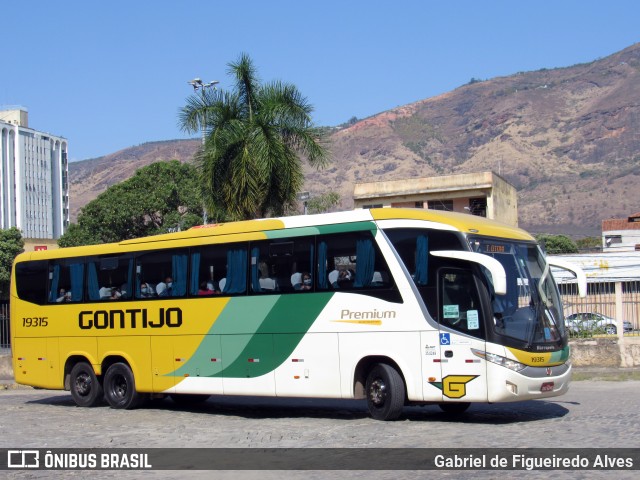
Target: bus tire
{"x":85,"y":386}
{"x":120,"y":388}
{"x":385,"y":392}
{"x":454,"y":408}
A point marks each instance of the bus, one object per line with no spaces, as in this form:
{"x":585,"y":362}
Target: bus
{"x":395,"y":306}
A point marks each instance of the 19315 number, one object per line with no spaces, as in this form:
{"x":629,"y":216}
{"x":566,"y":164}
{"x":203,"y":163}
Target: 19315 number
{"x":35,"y":321}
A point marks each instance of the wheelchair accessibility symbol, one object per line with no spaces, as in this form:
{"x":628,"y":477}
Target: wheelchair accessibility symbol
{"x":445,"y":339}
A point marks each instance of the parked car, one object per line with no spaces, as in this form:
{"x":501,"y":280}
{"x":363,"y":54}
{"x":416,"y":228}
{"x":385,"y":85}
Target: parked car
{"x":594,"y":322}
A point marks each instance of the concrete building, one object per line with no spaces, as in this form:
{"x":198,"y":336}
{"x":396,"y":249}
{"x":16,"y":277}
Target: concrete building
{"x":621,"y":234}
{"x":34,"y":190}
{"x":484,"y":194}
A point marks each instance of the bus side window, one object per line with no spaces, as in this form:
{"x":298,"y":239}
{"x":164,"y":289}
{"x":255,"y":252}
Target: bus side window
{"x":351,"y":262}
{"x":110,"y":278}
{"x":66,"y":281}
{"x":31,"y":281}
{"x":166,"y":269}
{"x":208,"y":267}
{"x":282,"y":265}
{"x":219,"y":269}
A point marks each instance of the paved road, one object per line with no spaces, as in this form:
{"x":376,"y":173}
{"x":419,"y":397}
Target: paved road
{"x":592,"y":414}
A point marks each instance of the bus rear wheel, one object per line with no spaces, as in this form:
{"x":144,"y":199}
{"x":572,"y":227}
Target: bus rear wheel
{"x":385,"y":392}
{"x":120,"y":387}
{"x":85,"y":387}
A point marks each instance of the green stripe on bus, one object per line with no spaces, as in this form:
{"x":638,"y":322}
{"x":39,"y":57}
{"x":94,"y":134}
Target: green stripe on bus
{"x":346,"y":227}
{"x":321,"y":229}
{"x":292,"y":314}
{"x":243,"y":314}
{"x":291,"y":232}
{"x":245,"y":331}
{"x":560,"y":356}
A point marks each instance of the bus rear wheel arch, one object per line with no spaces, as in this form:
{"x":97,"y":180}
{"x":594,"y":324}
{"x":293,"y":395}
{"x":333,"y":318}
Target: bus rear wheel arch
{"x":385,"y":392}
{"x":120,"y":387}
{"x":84,"y":385}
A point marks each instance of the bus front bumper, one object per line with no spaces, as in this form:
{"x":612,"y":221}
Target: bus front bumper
{"x":506,"y":385}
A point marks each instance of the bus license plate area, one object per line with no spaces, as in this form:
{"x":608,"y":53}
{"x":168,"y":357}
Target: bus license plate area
{"x":547,"y":387}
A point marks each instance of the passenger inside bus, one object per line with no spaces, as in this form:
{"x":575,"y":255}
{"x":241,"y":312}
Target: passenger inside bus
{"x":205,"y":290}
{"x":146,"y":291}
{"x":163,"y":289}
{"x":306,"y":281}
{"x":267,"y":283}
{"x":346,"y":279}
{"x":63,"y":296}
{"x":296,"y":281}
{"x":334,"y":276}
{"x":341,"y":278}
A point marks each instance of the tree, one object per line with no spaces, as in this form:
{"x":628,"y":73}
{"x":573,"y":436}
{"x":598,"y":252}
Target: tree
{"x":76,"y":235}
{"x":323,"y":203}
{"x":250,"y":164}
{"x":11,"y":244}
{"x":159,"y":197}
{"x":557,"y":244}
{"x":589,"y":244}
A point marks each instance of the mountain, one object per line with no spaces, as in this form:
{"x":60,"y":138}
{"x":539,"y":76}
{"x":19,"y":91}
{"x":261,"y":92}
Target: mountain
{"x":89,"y":178}
{"x":567,"y":138}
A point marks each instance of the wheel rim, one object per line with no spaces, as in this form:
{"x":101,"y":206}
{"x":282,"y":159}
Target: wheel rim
{"x":377,"y":392}
{"x":83,"y":384}
{"x":119,"y":386}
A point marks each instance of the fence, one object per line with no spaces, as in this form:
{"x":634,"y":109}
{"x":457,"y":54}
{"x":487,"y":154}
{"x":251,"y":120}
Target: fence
{"x":613,"y":301}
{"x":5,"y":336}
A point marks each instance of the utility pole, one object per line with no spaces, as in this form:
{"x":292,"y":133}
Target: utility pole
{"x":198,"y":84}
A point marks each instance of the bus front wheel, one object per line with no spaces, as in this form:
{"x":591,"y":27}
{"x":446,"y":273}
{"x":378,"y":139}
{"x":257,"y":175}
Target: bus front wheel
{"x":385,"y":392}
{"x":85,"y":387}
{"x":120,"y":387}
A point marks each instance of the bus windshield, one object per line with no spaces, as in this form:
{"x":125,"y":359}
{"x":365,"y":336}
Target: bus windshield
{"x":530,"y":311}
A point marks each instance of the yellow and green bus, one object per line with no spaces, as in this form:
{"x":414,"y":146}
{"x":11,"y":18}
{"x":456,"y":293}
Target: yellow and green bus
{"x":398,"y":306}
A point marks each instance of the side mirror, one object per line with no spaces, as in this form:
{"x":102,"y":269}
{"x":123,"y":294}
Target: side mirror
{"x":576,"y":270}
{"x":498,"y":275}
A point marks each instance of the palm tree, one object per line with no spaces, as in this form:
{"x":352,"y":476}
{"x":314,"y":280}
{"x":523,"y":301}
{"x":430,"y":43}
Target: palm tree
{"x":250,"y":163}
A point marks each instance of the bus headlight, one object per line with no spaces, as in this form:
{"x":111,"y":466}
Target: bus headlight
{"x":498,"y":360}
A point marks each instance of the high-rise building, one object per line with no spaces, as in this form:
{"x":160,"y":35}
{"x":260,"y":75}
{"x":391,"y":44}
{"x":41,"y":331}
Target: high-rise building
{"x":34,"y":187}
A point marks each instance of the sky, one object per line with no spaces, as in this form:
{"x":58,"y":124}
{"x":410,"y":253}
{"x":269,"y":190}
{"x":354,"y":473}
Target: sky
{"x":110,"y":75}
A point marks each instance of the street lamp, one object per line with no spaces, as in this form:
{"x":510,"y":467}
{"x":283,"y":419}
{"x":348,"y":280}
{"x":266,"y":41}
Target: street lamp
{"x":198,"y":84}
{"x":304,"y":197}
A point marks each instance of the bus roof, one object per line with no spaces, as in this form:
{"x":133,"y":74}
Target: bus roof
{"x":462,"y":222}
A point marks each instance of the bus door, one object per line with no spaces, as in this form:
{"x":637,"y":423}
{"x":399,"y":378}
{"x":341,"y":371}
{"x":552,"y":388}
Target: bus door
{"x":461,"y":329}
